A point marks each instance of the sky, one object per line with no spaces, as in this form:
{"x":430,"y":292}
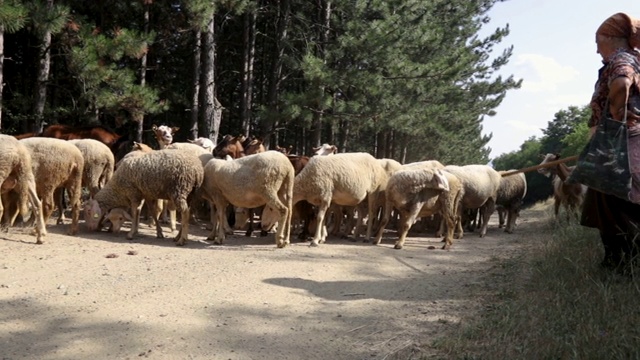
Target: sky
{"x":554,"y":53}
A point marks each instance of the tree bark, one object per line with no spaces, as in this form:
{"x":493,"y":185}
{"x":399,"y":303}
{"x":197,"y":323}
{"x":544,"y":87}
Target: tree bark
{"x":44,"y":66}
{"x":249,"y":37}
{"x":212,"y":111}
{"x":195,"y":85}
{"x":1,"y":70}
{"x":324,"y":17}
{"x":275,"y":74}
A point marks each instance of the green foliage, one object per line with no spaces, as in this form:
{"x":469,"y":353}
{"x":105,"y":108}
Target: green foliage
{"x":45,"y":19}
{"x":13,"y":15}
{"x":96,"y":61}
{"x":562,"y":125}
{"x":576,"y":140}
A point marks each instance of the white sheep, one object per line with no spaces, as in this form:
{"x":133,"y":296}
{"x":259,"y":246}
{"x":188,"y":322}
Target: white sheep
{"x":205,"y":143}
{"x":346,"y":179}
{"x":16,"y":175}
{"x":252,"y":181}
{"x":57,"y":164}
{"x":325,"y":149}
{"x":98,"y":163}
{"x":480,"y":184}
{"x":174,"y":175}
{"x":421,"y":191}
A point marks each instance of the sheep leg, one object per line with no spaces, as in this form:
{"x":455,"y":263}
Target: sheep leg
{"x":153,"y":209}
{"x":59,"y":196}
{"x":220,"y":206}
{"x":47,"y":205}
{"x":172,"y":217}
{"x":183,"y":208}
{"x":407,"y":218}
{"x":321,"y":233}
{"x":556,"y":206}
{"x":36,"y":209}
{"x":213,"y":214}
{"x":75,"y":193}
{"x":135,"y":221}
{"x":383,"y":223}
{"x":250,"y":227}
{"x":511,"y":219}
{"x":486,"y":212}
{"x":281,"y":234}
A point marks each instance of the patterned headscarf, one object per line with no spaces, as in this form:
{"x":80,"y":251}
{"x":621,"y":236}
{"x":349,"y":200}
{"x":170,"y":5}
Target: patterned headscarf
{"x":621,"y":25}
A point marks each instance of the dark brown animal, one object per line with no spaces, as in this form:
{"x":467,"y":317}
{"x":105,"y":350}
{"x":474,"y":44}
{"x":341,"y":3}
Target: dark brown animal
{"x":253,"y":147}
{"x":96,"y":132}
{"x":284,"y":150}
{"x":229,"y":145}
{"x":570,"y":196}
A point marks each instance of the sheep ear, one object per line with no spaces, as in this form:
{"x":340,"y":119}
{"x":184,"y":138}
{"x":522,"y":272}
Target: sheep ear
{"x":440,"y":180}
{"x":174,"y":129}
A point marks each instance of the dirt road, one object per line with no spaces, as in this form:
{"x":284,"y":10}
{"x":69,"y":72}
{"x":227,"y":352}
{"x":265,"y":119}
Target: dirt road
{"x":100,"y":296}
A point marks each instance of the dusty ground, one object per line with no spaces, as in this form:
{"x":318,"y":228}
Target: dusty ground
{"x":100,"y":296}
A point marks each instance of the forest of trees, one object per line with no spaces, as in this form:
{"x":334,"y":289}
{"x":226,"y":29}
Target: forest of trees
{"x":408,"y":80}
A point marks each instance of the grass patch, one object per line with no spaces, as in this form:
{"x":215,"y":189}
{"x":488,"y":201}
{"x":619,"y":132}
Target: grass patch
{"x":553,"y":301}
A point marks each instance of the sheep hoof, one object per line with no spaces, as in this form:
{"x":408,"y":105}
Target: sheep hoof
{"x":446,"y":246}
{"x":247,"y":234}
{"x":180,"y":242}
{"x":282,"y":245}
{"x":313,"y":244}
{"x":398,"y":246}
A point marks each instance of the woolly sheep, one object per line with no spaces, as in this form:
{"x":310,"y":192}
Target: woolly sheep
{"x":57,"y":164}
{"x":252,"y":181}
{"x":512,"y":190}
{"x":480,"y":184}
{"x":174,"y":175}
{"x":325,"y":149}
{"x":205,"y":143}
{"x":98,"y":163}
{"x":16,"y":174}
{"x":420,"y":192}
{"x":346,"y":179}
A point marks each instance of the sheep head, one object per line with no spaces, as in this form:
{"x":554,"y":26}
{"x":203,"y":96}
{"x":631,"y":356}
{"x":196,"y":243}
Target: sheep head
{"x":92,"y":214}
{"x":117,"y":217}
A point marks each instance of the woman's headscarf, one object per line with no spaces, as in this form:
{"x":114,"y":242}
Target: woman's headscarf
{"x":621,"y":25}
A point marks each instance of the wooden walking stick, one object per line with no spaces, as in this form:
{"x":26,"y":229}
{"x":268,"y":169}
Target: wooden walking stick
{"x":540,"y":166}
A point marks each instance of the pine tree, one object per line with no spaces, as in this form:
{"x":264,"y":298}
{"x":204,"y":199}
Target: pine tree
{"x":13,"y":16}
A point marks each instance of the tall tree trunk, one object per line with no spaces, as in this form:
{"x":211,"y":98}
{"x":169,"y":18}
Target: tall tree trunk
{"x":275,"y":74}
{"x":1,"y":70}
{"x":43,"y":76}
{"x":324,"y":17}
{"x":212,"y":111}
{"x":195,"y":85}
{"x":249,"y":37}
{"x":143,"y":71}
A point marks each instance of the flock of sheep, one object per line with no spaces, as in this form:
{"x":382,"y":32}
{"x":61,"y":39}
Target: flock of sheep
{"x":178,"y":176}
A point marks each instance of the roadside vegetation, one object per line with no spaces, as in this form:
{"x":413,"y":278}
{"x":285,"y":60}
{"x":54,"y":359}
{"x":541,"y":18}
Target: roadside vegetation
{"x":552,"y":301}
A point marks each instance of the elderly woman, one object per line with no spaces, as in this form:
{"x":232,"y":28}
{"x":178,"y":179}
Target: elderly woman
{"x":617,"y":96}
